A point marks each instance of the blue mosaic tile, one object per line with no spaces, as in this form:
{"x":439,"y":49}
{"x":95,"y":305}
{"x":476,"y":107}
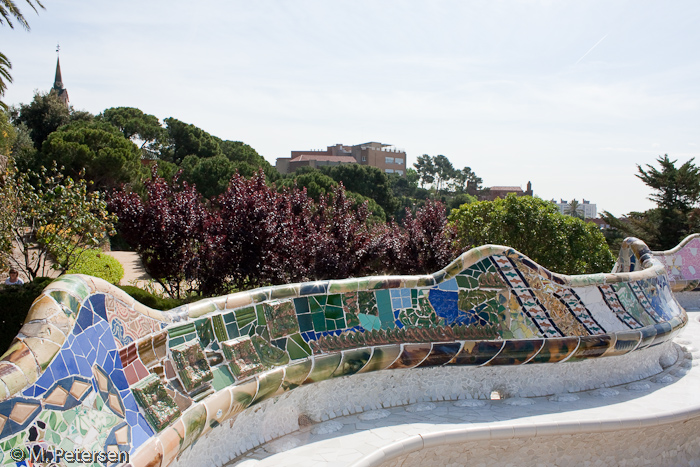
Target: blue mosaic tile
{"x":84,"y":320}
{"x":98,"y":305}
{"x":450,"y":285}
{"x":445,"y":305}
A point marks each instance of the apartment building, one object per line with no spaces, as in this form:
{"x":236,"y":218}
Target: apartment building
{"x":380,"y":155}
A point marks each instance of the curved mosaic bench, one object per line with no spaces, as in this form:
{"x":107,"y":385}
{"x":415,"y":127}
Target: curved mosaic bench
{"x":92,"y":368}
{"x":683,"y":264}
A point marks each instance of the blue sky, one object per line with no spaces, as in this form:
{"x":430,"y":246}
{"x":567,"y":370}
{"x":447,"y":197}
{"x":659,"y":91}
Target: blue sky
{"x":568,"y":95}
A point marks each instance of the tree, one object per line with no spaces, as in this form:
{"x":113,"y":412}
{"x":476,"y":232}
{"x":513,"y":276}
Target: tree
{"x":8,"y":11}
{"x":51,"y":224}
{"x":211,"y":175}
{"x":185,"y":139}
{"x":444,"y":171}
{"x":425,"y":169}
{"x":138,"y":127}
{"x":44,"y":115}
{"x":367,"y":181}
{"x":534,"y":227}
{"x":677,"y":194}
{"x":168,"y":229}
{"x":424,"y":244}
{"x":574,"y":209}
{"x":98,"y":151}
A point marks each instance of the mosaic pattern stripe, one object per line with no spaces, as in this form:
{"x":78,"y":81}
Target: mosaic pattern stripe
{"x":96,"y":370}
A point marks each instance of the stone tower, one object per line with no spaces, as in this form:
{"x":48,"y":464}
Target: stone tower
{"x":58,"y":84}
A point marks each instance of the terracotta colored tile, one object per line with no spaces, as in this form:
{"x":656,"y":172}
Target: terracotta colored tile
{"x":79,"y":388}
{"x":131,"y":376}
{"x":57,"y":397}
{"x":21,"y":412}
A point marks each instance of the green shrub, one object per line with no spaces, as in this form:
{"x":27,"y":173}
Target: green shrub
{"x":98,"y":264}
{"x":561,"y":243}
{"x":151,"y":300}
{"x":15,"y":302}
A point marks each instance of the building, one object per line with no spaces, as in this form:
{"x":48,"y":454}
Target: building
{"x":494,"y":192}
{"x":58,"y":85}
{"x":382,"y":156}
{"x":588,"y":210}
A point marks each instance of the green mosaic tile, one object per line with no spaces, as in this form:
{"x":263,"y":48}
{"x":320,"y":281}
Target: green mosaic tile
{"x":370,"y":322}
{"x":205,"y":331}
{"x":160,"y":409}
{"x":305,"y":323}
{"x":176,"y":341}
{"x":384,"y":306}
{"x":333,"y":312}
{"x":232,"y":330}
{"x":219,"y":328}
{"x":222,"y":378}
{"x":301,"y":305}
{"x":316,"y":303}
{"x":242,"y":356}
{"x":229,"y":317}
{"x":319,"y":321}
{"x":297,"y":348}
{"x":281,"y":318}
{"x":245,"y":316}
{"x":466,"y":282}
{"x":469,"y":299}
{"x":70,"y":303}
{"x":260,"y":314}
{"x":335,"y":300}
{"x":177,"y":331}
{"x":191,"y":365}
{"x":330,"y":325}
{"x":367,"y":303}
{"x":269,"y":354}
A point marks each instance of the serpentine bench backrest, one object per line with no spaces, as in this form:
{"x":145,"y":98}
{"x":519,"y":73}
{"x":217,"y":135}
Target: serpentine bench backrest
{"x":92,"y":368}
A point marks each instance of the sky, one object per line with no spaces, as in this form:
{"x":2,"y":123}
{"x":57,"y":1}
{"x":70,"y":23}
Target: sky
{"x":569,"y":95}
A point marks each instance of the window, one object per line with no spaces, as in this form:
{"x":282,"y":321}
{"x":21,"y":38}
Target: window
{"x":398,"y":160}
{"x":389,"y":160}
{"x":400,"y":172}
{"x":364,"y":158}
{"x":389,"y":171}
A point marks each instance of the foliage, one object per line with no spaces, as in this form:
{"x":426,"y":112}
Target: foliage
{"x":574,"y":209}
{"x":253,"y":235}
{"x":677,"y":192}
{"x":534,"y":227}
{"x":424,"y":245}
{"x":52,"y":221}
{"x":150,"y":299}
{"x":367,"y":181}
{"x":8,"y":135}
{"x":138,"y":127}
{"x":166,"y":229}
{"x":44,"y":115}
{"x":15,"y":302}
{"x":212,"y":174}
{"x":439,"y":172}
{"x":8,"y":11}
{"x":185,"y":139}
{"x":98,"y":264}
{"x":98,"y":151}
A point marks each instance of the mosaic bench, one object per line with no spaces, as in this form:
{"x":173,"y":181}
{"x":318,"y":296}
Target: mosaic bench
{"x":682,"y":264}
{"x":94,"y":369}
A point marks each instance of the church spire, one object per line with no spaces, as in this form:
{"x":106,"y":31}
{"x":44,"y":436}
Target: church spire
{"x":58,"y":80}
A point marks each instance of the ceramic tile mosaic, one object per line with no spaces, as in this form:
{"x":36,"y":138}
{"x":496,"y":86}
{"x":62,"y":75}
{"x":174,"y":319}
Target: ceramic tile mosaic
{"x":95,"y":369}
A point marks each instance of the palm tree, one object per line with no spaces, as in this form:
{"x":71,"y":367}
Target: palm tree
{"x":572,"y":209}
{"x":8,"y":11}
